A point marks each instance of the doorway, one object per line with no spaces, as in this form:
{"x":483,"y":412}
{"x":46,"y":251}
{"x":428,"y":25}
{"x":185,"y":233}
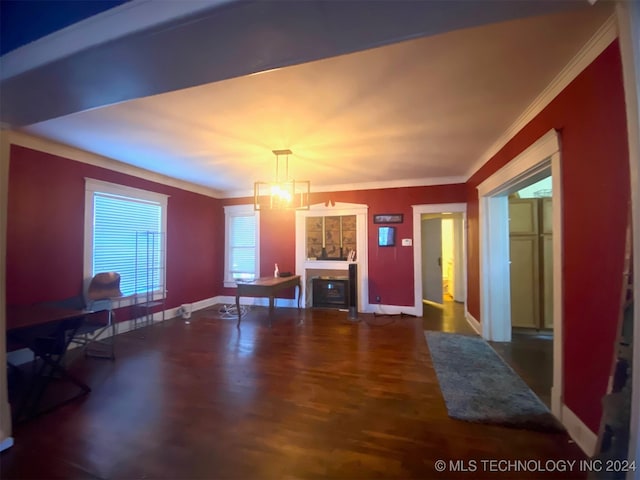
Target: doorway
{"x":442,"y":257}
{"x":530,"y":166}
{"x":530,"y":351}
{"x":531,"y":256}
{"x":434,"y":275}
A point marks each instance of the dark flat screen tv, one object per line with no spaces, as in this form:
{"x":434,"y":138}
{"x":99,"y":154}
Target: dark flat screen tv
{"x":386,"y":236}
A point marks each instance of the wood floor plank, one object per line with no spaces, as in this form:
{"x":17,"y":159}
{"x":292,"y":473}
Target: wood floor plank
{"x":314,"y":396}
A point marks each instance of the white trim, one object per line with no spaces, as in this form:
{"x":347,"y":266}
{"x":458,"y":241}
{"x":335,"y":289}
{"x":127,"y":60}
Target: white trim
{"x":475,"y":324}
{"x":157,"y":317}
{"x":581,"y":434}
{"x":204,"y":303}
{"x":116,"y":189}
{"x":495,"y":307}
{"x":362,"y":255}
{"x":460,"y":266}
{"x":106,"y":26}
{"x":628,"y":14}
{"x":93,"y":186}
{"x":558,"y":293}
{"x":606,"y":34}
{"x":418,"y":211}
{"x":129,"y":325}
{"x":526,"y":164}
{"x":380,"y":309}
{"x":72,"y":153}
{"x":231,"y":211}
{"x":348,"y":187}
{"x":5,"y":410}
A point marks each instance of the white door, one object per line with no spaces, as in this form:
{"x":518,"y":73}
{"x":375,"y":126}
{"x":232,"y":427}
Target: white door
{"x":432,"y":260}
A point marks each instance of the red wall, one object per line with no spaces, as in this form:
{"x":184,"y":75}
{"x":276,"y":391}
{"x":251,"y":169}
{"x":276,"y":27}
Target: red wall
{"x":45,"y":231}
{"x":390,"y":268}
{"x":590,"y":115}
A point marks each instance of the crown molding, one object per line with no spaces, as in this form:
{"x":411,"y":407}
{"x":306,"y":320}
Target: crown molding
{"x":603,"y":37}
{"x":410,"y":182}
{"x":72,"y":153}
{"x":346,"y":187}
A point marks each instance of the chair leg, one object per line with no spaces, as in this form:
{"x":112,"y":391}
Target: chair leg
{"x":107,"y":345}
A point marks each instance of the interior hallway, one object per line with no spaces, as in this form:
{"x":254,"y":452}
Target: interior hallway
{"x":530,"y":353}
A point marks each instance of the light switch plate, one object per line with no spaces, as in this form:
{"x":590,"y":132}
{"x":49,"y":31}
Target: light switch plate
{"x":406,"y":242}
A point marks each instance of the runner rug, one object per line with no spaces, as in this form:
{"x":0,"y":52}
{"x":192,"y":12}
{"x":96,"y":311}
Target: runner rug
{"x":478,"y":386}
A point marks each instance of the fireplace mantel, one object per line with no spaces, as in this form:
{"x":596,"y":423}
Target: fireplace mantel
{"x":306,"y":267}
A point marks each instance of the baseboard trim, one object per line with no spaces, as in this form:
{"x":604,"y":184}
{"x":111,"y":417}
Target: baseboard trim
{"x":202,"y":304}
{"x":475,"y":324}
{"x":581,"y":434}
{"x":378,"y":309}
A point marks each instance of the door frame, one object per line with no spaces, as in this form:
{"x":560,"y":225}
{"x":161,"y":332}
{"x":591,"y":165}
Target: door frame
{"x":418,"y":211}
{"x":628,"y":16}
{"x":495,"y":307}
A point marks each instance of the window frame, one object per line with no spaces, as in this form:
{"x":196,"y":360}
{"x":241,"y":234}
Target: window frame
{"x":231,"y":211}
{"x":93,"y":186}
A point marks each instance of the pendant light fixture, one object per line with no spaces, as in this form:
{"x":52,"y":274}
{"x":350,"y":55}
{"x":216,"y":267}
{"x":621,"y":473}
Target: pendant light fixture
{"x":282,"y":193}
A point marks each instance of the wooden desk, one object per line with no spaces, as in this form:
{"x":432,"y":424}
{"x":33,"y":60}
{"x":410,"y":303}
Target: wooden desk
{"x":266,"y":287}
{"x":47,"y":331}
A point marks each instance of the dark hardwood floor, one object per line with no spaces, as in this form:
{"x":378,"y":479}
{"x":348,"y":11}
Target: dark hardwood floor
{"x":530,"y":353}
{"x":448,"y":318}
{"x":315,"y":396}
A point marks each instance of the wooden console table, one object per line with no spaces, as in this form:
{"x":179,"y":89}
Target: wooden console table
{"x":266,"y":287}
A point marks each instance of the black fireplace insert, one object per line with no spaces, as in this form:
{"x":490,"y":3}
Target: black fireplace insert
{"x":331,"y":292}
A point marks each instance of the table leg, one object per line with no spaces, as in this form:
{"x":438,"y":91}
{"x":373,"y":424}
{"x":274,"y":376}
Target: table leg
{"x":238,"y":309}
{"x":271,"y":302}
{"x":52,"y":363}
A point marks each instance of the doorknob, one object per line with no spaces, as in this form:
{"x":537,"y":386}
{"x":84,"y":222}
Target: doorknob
{"x":440,"y":262}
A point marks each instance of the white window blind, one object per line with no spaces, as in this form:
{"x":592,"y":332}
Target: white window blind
{"x":119,"y":223}
{"x":117,"y":248}
{"x":243,"y":247}
{"x":242,"y":244}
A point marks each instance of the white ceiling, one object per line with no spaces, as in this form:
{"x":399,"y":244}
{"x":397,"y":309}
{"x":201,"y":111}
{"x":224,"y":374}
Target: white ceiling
{"x":417,"y":112}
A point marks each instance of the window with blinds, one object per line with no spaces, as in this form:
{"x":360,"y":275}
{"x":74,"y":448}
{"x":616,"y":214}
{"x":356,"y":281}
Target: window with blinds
{"x":242,"y":244}
{"x":116,"y":219}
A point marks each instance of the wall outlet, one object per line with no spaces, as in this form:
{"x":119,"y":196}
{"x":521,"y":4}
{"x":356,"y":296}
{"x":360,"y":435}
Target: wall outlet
{"x":378,"y":299}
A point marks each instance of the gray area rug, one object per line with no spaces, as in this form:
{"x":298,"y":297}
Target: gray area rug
{"x":478,"y":386}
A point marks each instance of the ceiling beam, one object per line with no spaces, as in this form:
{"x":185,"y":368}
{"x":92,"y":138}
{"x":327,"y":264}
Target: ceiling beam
{"x":234,"y":39}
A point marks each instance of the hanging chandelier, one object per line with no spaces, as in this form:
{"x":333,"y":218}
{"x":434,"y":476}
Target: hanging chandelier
{"x":282,"y":193}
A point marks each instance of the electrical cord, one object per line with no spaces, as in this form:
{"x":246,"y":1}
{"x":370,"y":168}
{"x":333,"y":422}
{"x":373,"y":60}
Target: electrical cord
{"x":382,"y":313}
{"x":401,"y":314}
{"x":231,"y":311}
{"x":390,"y":322}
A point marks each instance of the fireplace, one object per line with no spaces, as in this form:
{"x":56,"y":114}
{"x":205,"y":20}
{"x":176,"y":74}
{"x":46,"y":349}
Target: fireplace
{"x":309,"y":267}
{"x":331,"y":292}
